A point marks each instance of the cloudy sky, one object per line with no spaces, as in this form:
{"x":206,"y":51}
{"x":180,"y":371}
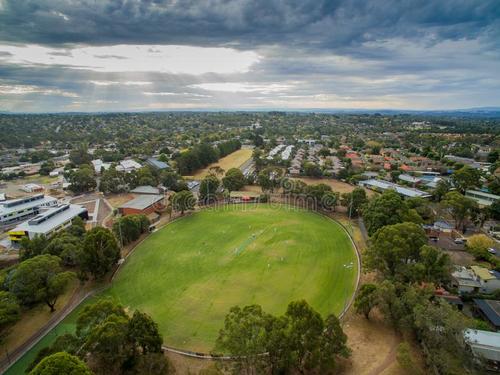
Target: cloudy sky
{"x":94,"y":55}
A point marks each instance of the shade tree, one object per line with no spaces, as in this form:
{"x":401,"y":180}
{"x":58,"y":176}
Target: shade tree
{"x":10,"y":312}
{"x":39,"y":279}
{"x":61,"y":363}
{"x":183,"y":201}
{"x":299,"y":341}
{"x":233,"y":180}
{"x":460,"y":208}
{"x":395,"y":249}
{"x":387,"y":209}
{"x":100,"y":252}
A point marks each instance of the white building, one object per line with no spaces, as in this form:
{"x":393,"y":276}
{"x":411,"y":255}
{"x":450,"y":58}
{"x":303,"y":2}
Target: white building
{"x":409,"y":179}
{"x":128,"y":165}
{"x":482,"y":198}
{"x":99,"y":165}
{"x":48,"y":222}
{"x":15,"y":210}
{"x":380,"y":185}
{"x":485,"y":346}
{"x":32,"y":188}
{"x":285,"y":155}
{"x":275,"y":151}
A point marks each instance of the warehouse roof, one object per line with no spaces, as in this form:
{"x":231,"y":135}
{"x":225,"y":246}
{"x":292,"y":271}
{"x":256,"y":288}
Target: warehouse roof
{"x":146,"y":189}
{"x":51,"y":218}
{"x":386,"y":185}
{"x":142,"y":202}
{"x":15,"y":205}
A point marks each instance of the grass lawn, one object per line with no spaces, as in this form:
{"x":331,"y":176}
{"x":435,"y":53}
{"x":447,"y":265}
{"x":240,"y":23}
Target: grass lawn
{"x":233,"y":160}
{"x":188,"y":274}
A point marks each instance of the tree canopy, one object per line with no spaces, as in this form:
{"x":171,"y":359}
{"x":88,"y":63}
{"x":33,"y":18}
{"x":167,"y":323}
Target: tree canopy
{"x":100,"y":252}
{"x":300,"y":340}
{"x":387,"y":209}
{"x":460,"y":207}
{"x":183,"y":201}
{"x":10,"y":312}
{"x":39,"y":279}
{"x":234,"y":179}
{"x":61,"y":363}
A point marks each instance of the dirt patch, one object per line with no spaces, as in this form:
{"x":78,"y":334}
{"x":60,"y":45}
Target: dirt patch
{"x":461,"y":258}
{"x":116,"y":200}
{"x":233,"y":160}
{"x":336,"y":185}
{"x":13,"y":188}
{"x":252,"y":188}
{"x":188,"y":365}
{"x":373,"y":343}
{"x":34,"y":319}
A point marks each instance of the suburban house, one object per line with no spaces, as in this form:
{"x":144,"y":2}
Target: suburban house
{"x":128,"y":165}
{"x":444,"y":226}
{"x":144,"y":204}
{"x":15,"y":210}
{"x":485,"y":346}
{"x":475,"y":279}
{"x":99,"y":165}
{"x":50,"y":221}
{"x":157,"y":164}
{"x":482,"y":198}
{"x":465,"y":281}
{"x":490,"y":280}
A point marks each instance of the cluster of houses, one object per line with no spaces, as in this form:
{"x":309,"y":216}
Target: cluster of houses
{"x":479,"y":281}
{"x":330,"y":164}
{"x":296,"y":164}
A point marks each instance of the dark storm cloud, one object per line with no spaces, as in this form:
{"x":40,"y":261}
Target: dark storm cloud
{"x":311,"y":53}
{"x":312,"y":23}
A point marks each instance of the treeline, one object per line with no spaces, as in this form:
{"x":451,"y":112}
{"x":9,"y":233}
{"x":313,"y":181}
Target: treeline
{"x":43,"y":274}
{"x":204,"y":154}
{"x":107,"y":340}
{"x":298,"y":342}
{"x":129,"y":228}
{"x":408,"y":273}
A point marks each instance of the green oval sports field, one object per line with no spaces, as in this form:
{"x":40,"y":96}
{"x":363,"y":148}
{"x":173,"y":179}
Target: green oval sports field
{"x":188,"y":274}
